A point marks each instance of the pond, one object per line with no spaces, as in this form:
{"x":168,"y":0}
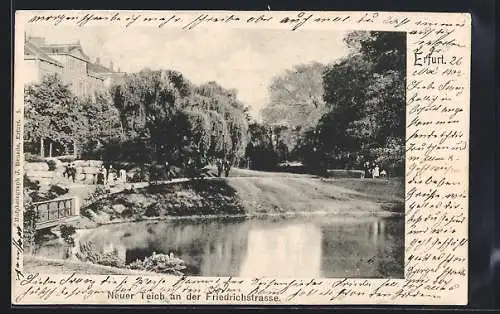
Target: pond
{"x":319,"y":246}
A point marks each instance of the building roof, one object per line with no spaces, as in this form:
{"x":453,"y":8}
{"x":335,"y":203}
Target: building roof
{"x":98,"y":68}
{"x":31,"y":50}
{"x":37,"y":47}
{"x":74,"y":49}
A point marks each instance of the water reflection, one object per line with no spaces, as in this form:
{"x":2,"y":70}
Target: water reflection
{"x":289,"y":250}
{"x":314,"y":247}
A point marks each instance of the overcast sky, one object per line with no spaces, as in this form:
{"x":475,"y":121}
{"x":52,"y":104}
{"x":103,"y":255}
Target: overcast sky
{"x":243,"y":59}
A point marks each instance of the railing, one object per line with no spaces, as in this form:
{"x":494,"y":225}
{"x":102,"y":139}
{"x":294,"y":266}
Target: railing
{"x":53,"y":212}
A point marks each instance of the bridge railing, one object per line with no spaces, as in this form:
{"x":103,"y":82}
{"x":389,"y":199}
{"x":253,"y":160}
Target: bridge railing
{"x":57,"y":209}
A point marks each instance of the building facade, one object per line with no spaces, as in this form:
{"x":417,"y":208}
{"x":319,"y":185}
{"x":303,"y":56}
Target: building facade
{"x":84,"y":77}
{"x":37,"y":64}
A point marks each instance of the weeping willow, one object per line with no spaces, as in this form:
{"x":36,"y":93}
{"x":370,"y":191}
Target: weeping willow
{"x":173,"y":112}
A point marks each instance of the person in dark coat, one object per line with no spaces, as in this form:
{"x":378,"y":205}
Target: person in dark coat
{"x":66,"y":170}
{"x":227,"y":167}
{"x":167,"y":170}
{"x":72,"y":172}
{"x":220,"y":167}
{"x":101,"y":175}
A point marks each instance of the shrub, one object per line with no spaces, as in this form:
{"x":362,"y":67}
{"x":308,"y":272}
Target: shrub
{"x":160,"y":263}
{"x":67,"y":158}
{"x":33,"y":158}
{"x":98,"y":193}
{"x":57,"y":190}
{"x":30,"y":235}
{"x":52,"y":164}
{"x":30,"y":184}
{"x":67,"y":232}
{"x":152,"y":210}
{"x":89,"y":252}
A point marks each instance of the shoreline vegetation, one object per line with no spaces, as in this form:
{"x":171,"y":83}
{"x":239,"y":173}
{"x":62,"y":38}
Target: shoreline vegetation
{"x":228,"y":198}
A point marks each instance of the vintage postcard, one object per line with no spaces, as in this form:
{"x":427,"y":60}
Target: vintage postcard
{"x":218,"y":157}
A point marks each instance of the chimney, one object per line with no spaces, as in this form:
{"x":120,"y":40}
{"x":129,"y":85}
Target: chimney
{"x":97,"y":60}
{"x":111,"y":65}
{"x":118,"y":70}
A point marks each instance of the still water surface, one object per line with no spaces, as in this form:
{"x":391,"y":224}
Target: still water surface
{"x":300,"y":247}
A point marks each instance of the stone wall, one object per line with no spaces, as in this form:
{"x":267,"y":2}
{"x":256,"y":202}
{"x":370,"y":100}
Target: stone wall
{"x":86,"y":170}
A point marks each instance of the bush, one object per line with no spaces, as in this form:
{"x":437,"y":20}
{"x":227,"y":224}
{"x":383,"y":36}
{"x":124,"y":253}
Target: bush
{"x":29,"y":157}
{"x":67,"y":232}
{"x":57,"y":190}
{"x":30,"y":235}
{"x":152,"y":210}
{"x":68,"y":158}
{"x":160,"y":263}
{"x":29,"y":184}
{"x":52,"y":164}
{"x":89,"y":252}
{"x":98,"y":193}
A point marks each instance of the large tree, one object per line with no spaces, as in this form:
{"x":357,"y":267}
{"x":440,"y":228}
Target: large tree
{"x":101,"y":124}
{"x":364,"y":96}
{"x":52,"y":113}
{"x":295,"y":100}
{"x":260,"y":149}
{"x":179,"y":118}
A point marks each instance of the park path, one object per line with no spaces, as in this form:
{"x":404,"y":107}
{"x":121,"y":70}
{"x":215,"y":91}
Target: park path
{"x":83,"y":191}
{"x":301,"y":195}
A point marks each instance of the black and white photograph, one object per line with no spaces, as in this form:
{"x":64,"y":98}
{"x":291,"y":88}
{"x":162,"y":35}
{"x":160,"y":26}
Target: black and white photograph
{"x":229,"y":152}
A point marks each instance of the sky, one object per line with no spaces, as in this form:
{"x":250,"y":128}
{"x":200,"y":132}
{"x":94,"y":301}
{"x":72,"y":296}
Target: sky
{"x":244,"y":59}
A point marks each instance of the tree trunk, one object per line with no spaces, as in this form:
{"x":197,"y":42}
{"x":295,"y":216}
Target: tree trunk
{"x":74,"y":148}
{"x":42,"y":148}
{"x":50,"y":149}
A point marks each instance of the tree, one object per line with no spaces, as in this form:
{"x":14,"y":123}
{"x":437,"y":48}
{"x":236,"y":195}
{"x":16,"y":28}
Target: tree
{"x":101,"y":125}
{"x":51,"y":112}
{"x":260,"y":150}
{"x":225,"y":121}
{"x":296,"y":100}
{"x":174,"y":116}
{"x":365,"y":105}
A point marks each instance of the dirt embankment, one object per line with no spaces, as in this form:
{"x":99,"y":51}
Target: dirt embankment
{"x":189,"y":198}
{"x":247,"y":196}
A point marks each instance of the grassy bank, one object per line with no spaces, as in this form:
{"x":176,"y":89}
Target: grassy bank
{"x":190,"y":198}
{"x":379,"y":190}
{"x":248,"y":196}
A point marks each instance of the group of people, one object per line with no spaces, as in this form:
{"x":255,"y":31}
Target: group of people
{"x":70,"y":171}
{"x":110,"y":175}
{"x":223,"y":167}
{"x":372,"y":170}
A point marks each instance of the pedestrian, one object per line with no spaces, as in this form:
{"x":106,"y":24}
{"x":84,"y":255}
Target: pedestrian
{"x":220,"y":167}
{"x":383,"y":173}
{"x":66,"y":170}
{"x":111,"y":174}
{"x":123,"y":175}
{"x":190,"y":168}
{"x":72,"y":172}
{"x":101,"y":175}
{"x":167,"y":170}
{"x":376,"y":172}
{"x":227,"y":167}
{"x":366,"y":168}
